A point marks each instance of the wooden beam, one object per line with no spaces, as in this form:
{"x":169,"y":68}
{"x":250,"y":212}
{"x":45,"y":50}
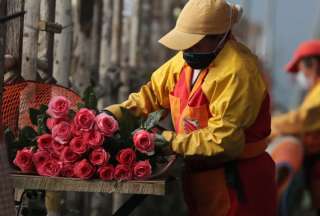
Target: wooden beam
{"x":30,"y":40}
{"x":152,"y":187}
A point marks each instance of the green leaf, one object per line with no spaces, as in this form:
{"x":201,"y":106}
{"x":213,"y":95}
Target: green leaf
{"x":71,"y":114}
{"x":81,"y":105}
{"x":92,"y":101}
{"x":33,"y":113}
{"x":43,"y":109}
{"x":153,"y":119}
{"x":27,"y":137}
{"x":42,"y":127}
{"x":160,"y":141}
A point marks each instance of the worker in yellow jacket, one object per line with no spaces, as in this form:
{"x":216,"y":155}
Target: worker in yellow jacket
{"x":304,"y":122}
{"x":219,"y":105}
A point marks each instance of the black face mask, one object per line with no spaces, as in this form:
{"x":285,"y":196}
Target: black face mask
{"x":199,"y":60}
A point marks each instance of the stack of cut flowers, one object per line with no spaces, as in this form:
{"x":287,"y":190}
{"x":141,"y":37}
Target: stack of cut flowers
{"x":85,"y":143}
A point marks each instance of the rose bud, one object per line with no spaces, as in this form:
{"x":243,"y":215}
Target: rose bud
{"x":106,"y":124}
{"x":24,"y":161}
{"x":142,"y":170}
{"x":106,"y":172}
{"x":94,"y":139}
{"x":78,"y":145}
{"x":84,"y":119}
{"x":99,"y":157}
{"x":84,"y":170}
{"x":126,"y":156}
{"x":122,"y":172}
{"x":62,"y":132}
{"x":58,"y":107}
{"x":144,"y":142}
{"x":44,"y":141}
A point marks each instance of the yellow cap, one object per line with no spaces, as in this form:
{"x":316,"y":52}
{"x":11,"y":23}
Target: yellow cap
{"x":200,"y":18}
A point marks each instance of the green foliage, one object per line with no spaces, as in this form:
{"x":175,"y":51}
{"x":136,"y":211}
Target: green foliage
{"x":128,"y":123}
{"x":152,"y":120}
{"x":90,"y":99}
{"x":42,"y":127}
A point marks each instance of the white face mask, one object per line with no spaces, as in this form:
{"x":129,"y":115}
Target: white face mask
{"x":303,"y":81}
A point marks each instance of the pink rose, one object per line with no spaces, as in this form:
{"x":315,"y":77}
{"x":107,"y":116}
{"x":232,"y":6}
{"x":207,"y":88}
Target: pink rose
{"x":84,"y":119}
{"x":142,"y":170}
{"x":51,"y":122}
{"x":122,"y":172}
{"x":76,"y":132}
{"x":50,"y":168}
{"x":106,"y":172}
{"x":144,"y":142}
{"x":78,"y":145}
{"x":58,"y":107}
{"x":62,"y":132}
{"x":94,"y":138}
{"x":68,"y":156}
{"x":57,"y":148}
{"x":99,"y":157}
{"x":23,"y":160}
{"x":84,"y":170}
{"x":126,"y":156}
{"x":67,"y":170}
{"x":40,"y":157}
{"x":106,"y":124}
{"x":44,"y":141}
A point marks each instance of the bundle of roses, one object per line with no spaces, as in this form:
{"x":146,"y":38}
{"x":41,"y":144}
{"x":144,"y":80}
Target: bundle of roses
{"x":75,"y":144}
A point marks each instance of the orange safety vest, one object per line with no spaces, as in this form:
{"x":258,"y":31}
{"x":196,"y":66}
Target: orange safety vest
{"x":206,"y":191}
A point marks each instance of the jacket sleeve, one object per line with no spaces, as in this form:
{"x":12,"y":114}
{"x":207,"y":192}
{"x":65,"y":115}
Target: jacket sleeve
{"x":234,"y":106}
{"x":301,"y":120}
{"x":152,"y":96}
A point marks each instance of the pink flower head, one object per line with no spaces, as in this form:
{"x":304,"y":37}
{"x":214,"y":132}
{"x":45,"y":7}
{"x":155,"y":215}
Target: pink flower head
{"x":106,"y":172}
{"x":106,"y":124}
{"x":144,"y":142}
{"x":44,"y":141}
{"x":122,"y":172}
{"x":84,"y":119}
{"x":68,"y":156}
{"x":23,"y":160}
{"x":84,"y":170}
{"x":58,"y":107}
{"x":50,"y":168}
{"x":78,"y":145}
{"x":67,"y":170}
{"x":62,"y":132}
{"x":99,"y":157}
{"x":142,"y":170}
{"x":126,"y":156}
{"x":40,"y":157}
{"x":94,"y":138}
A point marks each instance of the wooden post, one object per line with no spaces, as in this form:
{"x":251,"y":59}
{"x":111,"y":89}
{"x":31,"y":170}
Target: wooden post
{"x":15,"y":32}
{"x":105,"y":53}
{"x":96,"y":40}
{"x":116,"y":32}
{"x":30,"y":40}
{"x":63,"y":43}
{"x":6,"y":206}
{"x":50,"y":35}
{"x":134,"y":33}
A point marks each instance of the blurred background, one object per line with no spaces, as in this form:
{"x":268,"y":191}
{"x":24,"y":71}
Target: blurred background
{"x":112,"y":45}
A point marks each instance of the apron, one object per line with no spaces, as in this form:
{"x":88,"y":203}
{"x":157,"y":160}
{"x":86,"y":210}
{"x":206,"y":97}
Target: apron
{"x":206,"y":190}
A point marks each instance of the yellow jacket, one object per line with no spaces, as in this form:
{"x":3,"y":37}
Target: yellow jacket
{"x":302,"y":120}
{"x":235,"y":89}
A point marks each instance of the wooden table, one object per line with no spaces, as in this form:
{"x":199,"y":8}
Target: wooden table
{"x":139,"y":189}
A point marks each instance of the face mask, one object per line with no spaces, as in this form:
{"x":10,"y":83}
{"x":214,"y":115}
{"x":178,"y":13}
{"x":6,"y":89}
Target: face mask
{"x":203,"y":60}
{"x":303,"y":81}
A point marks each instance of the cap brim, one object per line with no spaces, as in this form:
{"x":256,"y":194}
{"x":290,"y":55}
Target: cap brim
{"x":292,"y":66}
{"x":178,"y":40}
